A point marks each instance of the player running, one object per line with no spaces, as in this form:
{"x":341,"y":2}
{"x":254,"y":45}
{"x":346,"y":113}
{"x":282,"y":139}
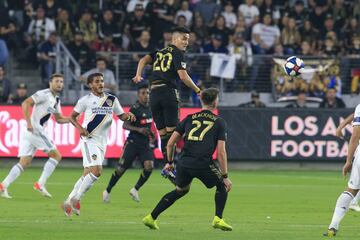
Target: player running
{"x":98,"y":108}
{"x":44,"y":102}
{"x":352,"y":164}
{"x":168,"y":65}
{"x":137,"y":145}
{"x":203,"y":132}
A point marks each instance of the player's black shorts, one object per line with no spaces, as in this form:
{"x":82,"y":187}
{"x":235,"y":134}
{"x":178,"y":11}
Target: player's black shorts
{"x":164,"y":104}
{"x":133,"y":150}
{"x":210,"y":176}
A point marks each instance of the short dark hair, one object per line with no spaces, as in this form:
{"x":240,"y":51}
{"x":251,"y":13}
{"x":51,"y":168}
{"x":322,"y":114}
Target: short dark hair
{"x":55,"y":75}
{"x":91,"y":77}
{"x":101,"y":59}
{"x":142,"y":86}
{"x":209,"y":95}
{"x":181,"y":30}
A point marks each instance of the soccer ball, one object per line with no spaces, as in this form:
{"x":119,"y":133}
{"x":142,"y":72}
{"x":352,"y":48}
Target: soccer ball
{"x":294,"y":66}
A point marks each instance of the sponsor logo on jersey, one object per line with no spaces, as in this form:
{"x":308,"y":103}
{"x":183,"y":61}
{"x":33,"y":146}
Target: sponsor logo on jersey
{"x":145,"y":121}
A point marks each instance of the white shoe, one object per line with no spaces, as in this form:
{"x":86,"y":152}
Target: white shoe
{"x":4,"y":192}
{"x":355,"y":207}
{"x":106,"y":196}
{"x":42,"y":190}
{"x":134,"y":195}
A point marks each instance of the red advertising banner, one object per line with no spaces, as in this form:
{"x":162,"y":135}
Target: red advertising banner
{"x":65,"y":136}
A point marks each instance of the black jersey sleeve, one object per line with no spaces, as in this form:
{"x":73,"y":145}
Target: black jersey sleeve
{"x":180,"y":128}
{"x":179,"y":60}
{"x":222,"y":131}
{"x":153,"y":55}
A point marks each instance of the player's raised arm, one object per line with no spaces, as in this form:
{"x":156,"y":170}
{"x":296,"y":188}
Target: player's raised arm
{"x":343,"y":124}
{"x":184,"y":76}
{"x":73,"y":119}
{"x":141,"y":65}
{"x":26,"y":105}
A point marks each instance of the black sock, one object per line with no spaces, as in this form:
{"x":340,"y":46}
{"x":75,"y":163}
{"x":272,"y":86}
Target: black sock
{"x":144,"y":176}
{"x":113,"y":180}
{"x":166,"y":201}
{"x":220,"y":199}
{"x":164,"y":140}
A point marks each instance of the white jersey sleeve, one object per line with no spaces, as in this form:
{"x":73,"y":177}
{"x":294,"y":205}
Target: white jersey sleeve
{"x":80,"y":105}
{"x":39,"y":97}
{"x":356,"y":121}
{"x":118,"y":110}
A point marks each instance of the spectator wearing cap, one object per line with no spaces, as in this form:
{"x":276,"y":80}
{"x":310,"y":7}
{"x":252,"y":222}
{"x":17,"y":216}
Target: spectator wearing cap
{"x":216,"y":45}
{"x":64,"y":27}
{"x":40,"y":27}
{"x":265,"y":36}
{"x":80,"y":50}
{"x":184,"y":11}
{"x":88,"y":26}
{"x":221,"y":29}
{"x":136,"y":23}
{"x":21,"y":94}
{"x":255,"y":101}
{"x":46,"y":56}
{"x":299,"y":13}
{"x":5,"y":86}
{"x":133,"y":3}
{"x":229,"y":15}
{"x":331,"y":101}
{"x":250,"y":12}
{"x":108,"y":27}
{"x":300,"y":101}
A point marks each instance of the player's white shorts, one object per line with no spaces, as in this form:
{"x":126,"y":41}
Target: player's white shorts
{"x":354,"y":181}
{"x":30,"y":142}
{"x":92,"y":154}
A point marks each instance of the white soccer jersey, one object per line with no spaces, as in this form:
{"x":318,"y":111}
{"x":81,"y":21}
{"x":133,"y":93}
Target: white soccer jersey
{"x":98,"y":116}
{"x":45,"y":105}
{"x":356,"y":121}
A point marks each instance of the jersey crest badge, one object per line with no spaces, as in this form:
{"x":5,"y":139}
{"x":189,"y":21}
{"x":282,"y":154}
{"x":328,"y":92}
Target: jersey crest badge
{"x":109,"y":102}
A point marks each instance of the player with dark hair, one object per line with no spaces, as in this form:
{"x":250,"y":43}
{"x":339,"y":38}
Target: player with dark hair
{"x":44,"y":102}
{"x":203,"y":132}
{"x":168,"y":65}
{"x":98,"y":108}
{"x":137,"y":145}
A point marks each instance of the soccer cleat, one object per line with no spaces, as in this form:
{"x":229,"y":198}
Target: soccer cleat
{"x":75,"y":205}
{"x":4,"y":192}
{"x":106,"y":196}
{"x":66,"y":206}
{"x":330,"y":233}
{"x":171,"y":175}
{"x":42,"y":190}
{"x":150,"y":222}
{"x":355,"y":207}
{"x":134,"y":195}
{"x":220,"y":223}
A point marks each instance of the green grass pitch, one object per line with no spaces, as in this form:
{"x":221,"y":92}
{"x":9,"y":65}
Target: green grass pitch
{"x":262,"y":205}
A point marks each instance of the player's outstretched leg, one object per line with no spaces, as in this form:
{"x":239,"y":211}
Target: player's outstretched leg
{"x":49,"y":167}
{"x":220,"y":201}
{"x":112,"y":182}
{"x":166,"y":201}
{"x":342,"y":206}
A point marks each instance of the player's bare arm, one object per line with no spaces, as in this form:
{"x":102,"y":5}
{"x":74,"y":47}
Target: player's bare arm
{"x":170,"y":147}
{"x":222,"y":159}
{"x":128,"y":126}
{"x":353,"y":143}
{"x":61,"y":119}
{"x":141,"y":65}
{"x":127,"y":117}
{"x":343,"y":124}
{"x":26,"y":105}
{"x":73,"y":119}
{"x":184,"y":76}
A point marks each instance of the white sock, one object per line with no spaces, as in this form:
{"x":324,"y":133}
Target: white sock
{"x":75,"y":189}
{"x":86,"y":184}
{"x":342,"y":206}
{"x":356,"y":199}
{"x":13,"y":174}
{"x":49,"y":168}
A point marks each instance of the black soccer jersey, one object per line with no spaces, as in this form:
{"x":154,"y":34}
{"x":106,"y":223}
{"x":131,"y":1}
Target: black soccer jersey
{"x":200,"y":131}
{"x":166,"y":63}
{"x":143,"y":120}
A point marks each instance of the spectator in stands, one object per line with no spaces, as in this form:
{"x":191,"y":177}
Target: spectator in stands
{"x":332,"y":79}
{"x":184,"y":11}
{"x":250,"y":12}
{"x":299,"y":13}
{"x":290,"y":37}
{"x":317,"y":86}
{"x":216,"y":45}
{"x":242,"y":50}
{"x":64,"y":27}
{"x":181,"y":21}
{"x":330,"y":50}
{"x":208,"y":10}
{"x":255,"y":101}
{"x":309,"y":34}
{"x":136,"y":23}
{"x":305,"y":49}
{"x":46,"y":56}
{"x":328,"y":27}
{"x":143,"y":44}
{"x":279,"y":50}
{"x":4,"y":53}
{"x":166,"y":40}
{"x":356,"y":10}
{"x":8,"y":30}
{"x":229,"y":15}
{"x":118,"y":7}
{"x":105,"y":47}
{"x":52,"y":7}
{"x":5,"y":86}
{"x":354,"y":50}
{"x":109,"y":79}
{"x":21,"y":94}
{"x":267,"y":7}
{"x":108,"y":27}
{"x":194,"y":44}
{"x":317,"y":17}
{"x":133,"y":3}
{"x":351,"y":29}
{"x":88,"y":26}
{"x":300,"y":101}
{"x":40,"y":27}
{"x":339,"y":12}
{"x":80,"y":50}
{"x":355,"y":78}
{"x":221,"y":29}
{"x":331,"y":101}
{"x":241,"y":28}
{"x":200,"y":28}
{"x":265,"y":36}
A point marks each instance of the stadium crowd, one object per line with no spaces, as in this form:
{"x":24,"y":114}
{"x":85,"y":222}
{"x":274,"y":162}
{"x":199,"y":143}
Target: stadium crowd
{"x":322,"y":28}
